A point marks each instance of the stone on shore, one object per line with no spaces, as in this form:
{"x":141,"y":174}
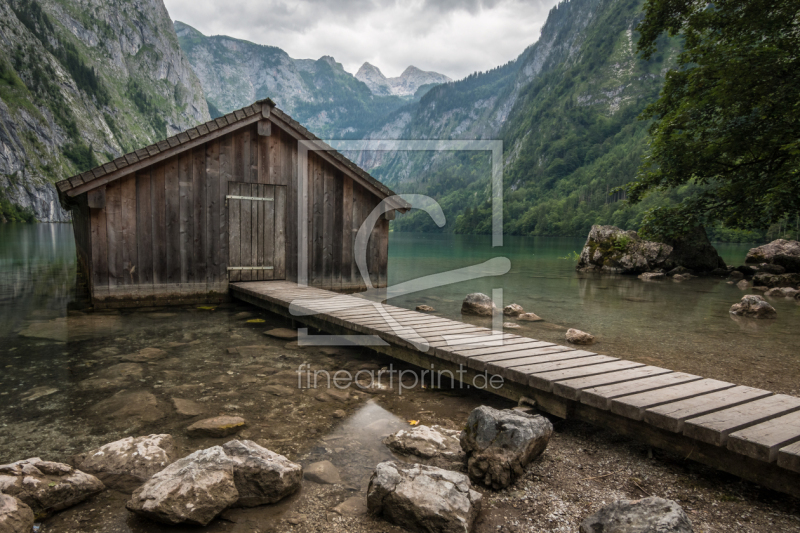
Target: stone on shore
{"x":771,"y":269}
{"x":780,"y":252}
{"x":261,"y":476}
{"x":145,"y":355}
{"x":576,"y":336}
{"x":219,"y":426}
{"x":45,"y":486}
{"x":434,"y":445}
{"x":15,"y":516}
{"x":679,"y":270}
{"x":423,"y":498}
{"x":529,"y":317}
{"x":735,"y":275}
{"x":425,"y":308}
{"x":323,"y":472}
{"x":753,"y":306}
{"x":652,"y":276}
{"x":500,"y":444}
{"x":478,"y":304}
{"x":127,"y":463}
{"x":513,"y":310}
{"x":648,"y":515}
{"x":192,"y":490}
{"x":188,"y":408}
{"x":777,"y":292}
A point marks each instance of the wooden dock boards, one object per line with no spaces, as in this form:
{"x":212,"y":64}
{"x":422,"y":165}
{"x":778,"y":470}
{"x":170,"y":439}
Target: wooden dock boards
{"x":748,"y":424}
{"x":715,"y":428}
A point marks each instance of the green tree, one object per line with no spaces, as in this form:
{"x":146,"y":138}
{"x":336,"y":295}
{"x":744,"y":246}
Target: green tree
{"x":728,"y":117}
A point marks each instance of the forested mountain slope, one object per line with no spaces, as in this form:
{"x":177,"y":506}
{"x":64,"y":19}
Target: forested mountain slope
{"x":81,"y":83}
{"x":566,"y":110}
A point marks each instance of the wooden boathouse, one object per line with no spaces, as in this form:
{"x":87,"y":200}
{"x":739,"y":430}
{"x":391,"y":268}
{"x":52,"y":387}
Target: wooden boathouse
{"x":176,"y":221}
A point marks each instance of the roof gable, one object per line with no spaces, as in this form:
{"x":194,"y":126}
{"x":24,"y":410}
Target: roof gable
{"x":186,"y":140}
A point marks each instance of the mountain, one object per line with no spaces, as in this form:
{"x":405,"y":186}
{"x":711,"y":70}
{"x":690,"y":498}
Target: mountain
{"x":566,"y":110}
{"x":82,"y":84}
{"x":318,"y":93}
{"x":407,"y":84}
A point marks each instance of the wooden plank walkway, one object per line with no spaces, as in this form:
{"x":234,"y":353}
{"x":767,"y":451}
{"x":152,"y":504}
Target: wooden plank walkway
{"x":749,"y":432}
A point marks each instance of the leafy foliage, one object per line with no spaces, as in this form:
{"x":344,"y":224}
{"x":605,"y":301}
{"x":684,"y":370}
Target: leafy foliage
{"x":728,"y":118}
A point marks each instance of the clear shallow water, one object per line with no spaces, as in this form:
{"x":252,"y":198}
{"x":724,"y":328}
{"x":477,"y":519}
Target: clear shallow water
{"x":72,"y":380}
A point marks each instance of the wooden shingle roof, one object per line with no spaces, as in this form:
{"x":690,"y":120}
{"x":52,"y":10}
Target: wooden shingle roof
{"x":261,"y":110}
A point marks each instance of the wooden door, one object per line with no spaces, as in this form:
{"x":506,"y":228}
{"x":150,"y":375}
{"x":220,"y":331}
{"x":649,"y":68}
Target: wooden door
{"x":256,"y":230}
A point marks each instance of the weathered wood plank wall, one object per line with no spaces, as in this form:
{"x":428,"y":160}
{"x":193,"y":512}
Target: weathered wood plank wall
{"x":163,"y":233}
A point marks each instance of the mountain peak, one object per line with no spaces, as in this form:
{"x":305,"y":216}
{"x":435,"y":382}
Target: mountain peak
{"x":406,"y":84}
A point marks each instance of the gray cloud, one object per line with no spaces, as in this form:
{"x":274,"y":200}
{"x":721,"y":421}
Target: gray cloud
{"x":449,"y":36}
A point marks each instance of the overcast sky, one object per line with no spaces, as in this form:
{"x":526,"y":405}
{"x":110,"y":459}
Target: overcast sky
{"x":453,"y":37}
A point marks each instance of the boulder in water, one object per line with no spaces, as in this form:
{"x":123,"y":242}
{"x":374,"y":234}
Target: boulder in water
{"x":576,"y":336}
{"x":478,"y":304}
{"x":780,"y":252}
{"x":513,"y":310}
{"x":753,"y":306}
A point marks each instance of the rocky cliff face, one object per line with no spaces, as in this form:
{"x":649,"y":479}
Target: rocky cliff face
{"x":407,"y":84}
{"x":318,"y":93}
{"x":83,"y":82}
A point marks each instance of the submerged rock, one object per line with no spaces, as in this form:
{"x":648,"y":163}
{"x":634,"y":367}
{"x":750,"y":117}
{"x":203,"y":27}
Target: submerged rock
{"x":780,"y":252}
{"x":261,"y":476}
{"x":511,"y":325}
{"x":648,"y":515}
{"x":430,"y":445}
{"x":500,"y":444}
{"x":45,"y":486}
{"x":681,"y":277}
{"x":127,"y":408}
{"x":744,"y":285}
{"x":282,"y":333}
{"x":753,"y":306}
{"x":478,"y":304}
{"x":323,"y":472}
{"x":425,"y":308}
{"x":529,"y":317}
{"x":576,"y":336}
{"x":127,"y":463}
{"x":735,"y":275}
{"x":513,"y":310}
{"x":219,"y":426}
{"x":680,"y":270}
{"x":777,"y":280}
{"x":192,"y":490}
{"x":423,"y":498}
{"x":145,"y":355}
{"x":188,"y":408}
{"x":115,"y":376}
{"x":15,"y":516}
{"x":652,"y":276}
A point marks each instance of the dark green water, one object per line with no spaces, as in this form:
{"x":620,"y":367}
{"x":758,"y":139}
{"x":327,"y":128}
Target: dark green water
{"x":682,"y":326}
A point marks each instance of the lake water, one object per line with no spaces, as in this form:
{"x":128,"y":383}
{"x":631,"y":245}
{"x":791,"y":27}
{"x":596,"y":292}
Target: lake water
{"x":72,"y":380}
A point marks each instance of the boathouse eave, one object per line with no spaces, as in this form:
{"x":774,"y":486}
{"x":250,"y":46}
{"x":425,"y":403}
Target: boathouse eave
{"x":262,"y":110}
